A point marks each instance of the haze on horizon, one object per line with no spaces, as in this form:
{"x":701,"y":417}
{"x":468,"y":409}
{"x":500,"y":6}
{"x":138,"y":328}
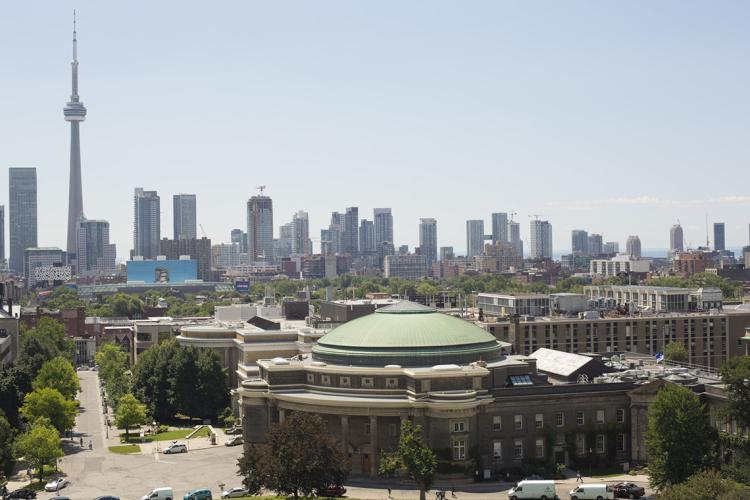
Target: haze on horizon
{"x":617,"y":118}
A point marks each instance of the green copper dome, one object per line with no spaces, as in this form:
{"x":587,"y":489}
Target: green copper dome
{"x":407,"y":334}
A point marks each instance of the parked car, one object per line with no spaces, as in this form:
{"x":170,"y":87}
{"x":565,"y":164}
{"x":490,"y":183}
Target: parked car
{"x":233,"y":441}
{"x":24,"y":493}
{"x":233,"y":430}
{"x":198,"y":494}
{"x":175,"y":448}
{"x":56,"y":484}
{"x":598,"y":491}
{"x":629,"y":490}
{"x":533,"y":489}
{"x":333,"y":490}
{"x":107,"y":497}
{"x":235,"y":493}
{"x":60,"y":498}
{"x":163,"y":493}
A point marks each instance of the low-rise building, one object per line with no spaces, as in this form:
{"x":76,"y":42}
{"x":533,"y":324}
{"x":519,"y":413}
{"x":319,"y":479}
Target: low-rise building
{"x":658,"y":298}
{"x":410,"y":266}
{"x":498,"y":304}
{"x":619,"y":265}
{"x":9,"y":333}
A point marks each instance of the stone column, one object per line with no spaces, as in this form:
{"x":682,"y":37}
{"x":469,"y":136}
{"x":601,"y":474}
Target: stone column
{"x":345,"y":434}
{"x":634,"y":434}
{"x":281,"y":415}
{"x":375,"y":458}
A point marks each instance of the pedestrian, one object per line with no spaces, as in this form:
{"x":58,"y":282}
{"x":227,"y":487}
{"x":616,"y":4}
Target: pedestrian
{"x":91,"y":445}
{"x":453,"y":492}
{"x":579,"y":478}
{"x":389,"y":492}
{"x":81,"y":441}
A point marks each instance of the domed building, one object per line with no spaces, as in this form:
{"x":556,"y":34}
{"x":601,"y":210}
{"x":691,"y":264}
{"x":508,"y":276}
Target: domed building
{"x":480,"y":407}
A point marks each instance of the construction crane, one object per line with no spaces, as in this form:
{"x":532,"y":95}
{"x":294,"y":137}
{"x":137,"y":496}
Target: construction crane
{"x":512,"y":214}
{"x":536,"y":216}
{"x":203,"y":230}
{"x":261,"y":189}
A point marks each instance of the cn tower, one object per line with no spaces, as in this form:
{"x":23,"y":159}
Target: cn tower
{"x":75,"y":112}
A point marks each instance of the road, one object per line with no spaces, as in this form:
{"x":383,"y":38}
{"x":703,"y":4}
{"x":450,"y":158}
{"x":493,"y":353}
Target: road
{"x":97,"y":472}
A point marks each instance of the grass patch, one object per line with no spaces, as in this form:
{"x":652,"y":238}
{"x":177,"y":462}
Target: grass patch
{"x":125,"y":449}
{"x":36,"y":486}
{"x":203,"y":432}
{"x":162,"y":436}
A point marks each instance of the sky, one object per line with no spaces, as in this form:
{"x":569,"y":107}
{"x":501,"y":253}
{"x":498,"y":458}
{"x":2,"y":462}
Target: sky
{"x":615,"y":117}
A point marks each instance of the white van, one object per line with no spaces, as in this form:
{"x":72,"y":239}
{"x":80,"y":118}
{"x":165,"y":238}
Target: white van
{"x":599,"y":491}
{"x":163,"y":493}
{"x":538,"y":490}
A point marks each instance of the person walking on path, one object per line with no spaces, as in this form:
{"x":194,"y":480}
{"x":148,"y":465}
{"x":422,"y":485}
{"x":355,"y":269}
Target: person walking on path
{"x":389,"y":492}
{"x":579,"y":478}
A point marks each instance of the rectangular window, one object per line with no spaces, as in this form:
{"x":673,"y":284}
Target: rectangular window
{"x":367,"y":382}
{"x":559,"y":419}
{"x":497,"y":423}
{"x":459,"y":449}
{"x":310,"y":378}
{"x":392,"y":430}
{"x":518,"y":422}
{"x":539,"y":421}
{"x":540,"y":448}
{"x":391,"y":383}
{"x":621,"y":415}
{"x":459,"y":426}
{"x":621,"y":442}
{"x":518,"y":449}
{"x":579,"y":418}
{"x":580,"y":444}
{"x":599,"y":416}
{"x":367,"y":428}
{"x":497,"y":450}
{"x":325,"y":380}
{"x":345,"y":381}
{"x":601,"y":443}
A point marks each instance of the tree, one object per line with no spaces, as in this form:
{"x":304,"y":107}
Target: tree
{"x":111,"y":360}
{"x":40,"y":446}
{"x":299,"y":458}
{"x":58,"y":373}
{"x":130,"y":412}
{"x":6,"y":446}
{"x":152,"y":379}
{"x":736,"y":375}
{"x":675,"y":351}
{"x":49,"y":403}
{"x":414,"y":455}
{"x":14,"y":384}
{"x":703,"y":485}
{"x":42,"y":343}
{"x":679,"y":439}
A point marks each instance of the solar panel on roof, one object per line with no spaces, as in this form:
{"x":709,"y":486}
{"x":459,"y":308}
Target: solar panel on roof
{"x":518,"y":380}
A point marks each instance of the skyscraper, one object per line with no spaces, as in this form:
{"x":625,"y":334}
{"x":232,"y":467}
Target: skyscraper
{"x":146,"y":223}
{"x":22,"y":214}
{"x":198,"y":250}
{"x":240,"y":237}
{"x":675,"y":240}
{"x":2,"y":233}
{"x":260,"y":228}
{"x":184,"y":216}
{"x":633,"y":246}
{"x":428,"y":239}
{"x":95,"y":255}
{"x":367,"y":237}
{"x":580,"y":242}
{"x":383,"y":220}
{"x":595,"y":244}
{"x":514,"y":234}
{"x":541,"y":239}
{"x":719,"y":236}
{"x":301,"y":243}
{"x":75,"y":113}
{"x":499,"y":227}
{"x":474,"y":237}
{"x":350,"y":237}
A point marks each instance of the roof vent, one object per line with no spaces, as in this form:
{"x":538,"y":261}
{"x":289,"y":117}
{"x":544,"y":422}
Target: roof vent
{"x":280,"y":361}
{"x":392,"y":366}
{"x":445,"y":368}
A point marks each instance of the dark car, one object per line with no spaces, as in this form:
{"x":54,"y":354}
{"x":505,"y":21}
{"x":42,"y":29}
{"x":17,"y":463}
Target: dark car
{"x":334,"y":490}
{"x":22,"y":493}
{"x":107,"y":497}
{"x":628,"y":490}
{"x":233,"y":431}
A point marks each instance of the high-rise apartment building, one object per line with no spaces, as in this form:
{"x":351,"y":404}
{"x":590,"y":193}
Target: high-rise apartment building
{"x":22,"y":217}
{"x":184,"y":216}
{"x":474,"y":237}
{"x":45,"y":265}
{"x":198,"y":250}
{"x":719,"y":243}
{"x":428,"y":239}
{"x":350,"y":236}
{"x":282,"y":246}
{"x":633,"y":247}
{"x":675,"y":240}
{"x":580,"y":242}
{"x":2,"y":234}
{"x":611,"y":247}
{"x":95,"y":255}
{"x":240,"y":237}
{"x":225,"y":255}
{"x":541,"y":239}
{"x":367,"y":237}
{"x":383,"y":220}
{"x":499,"y":227}
{"x":514,"y":234}
{"x":260,"y":228}
{"x":301,"y":243}
{"x":595,"y":245}
{"x":146,"y":223}
{"x":446,"y":253}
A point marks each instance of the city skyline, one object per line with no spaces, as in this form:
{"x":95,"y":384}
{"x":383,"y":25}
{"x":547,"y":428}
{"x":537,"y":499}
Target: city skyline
{"x":182,"y":156}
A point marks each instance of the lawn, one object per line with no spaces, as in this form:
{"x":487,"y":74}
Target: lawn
{"x":204,"y":432}
{"x":125,"y":449}
{"x":163,"y":436}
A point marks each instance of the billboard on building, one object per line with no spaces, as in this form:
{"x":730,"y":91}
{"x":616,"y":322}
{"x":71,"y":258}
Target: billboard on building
{"x":242,"y":286}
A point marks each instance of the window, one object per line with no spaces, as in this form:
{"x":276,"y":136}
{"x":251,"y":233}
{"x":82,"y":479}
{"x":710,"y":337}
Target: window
{"x":325,"y":380}
{"x":367,"y":428}
{"x":459,"y":449}
{"x":601,"y":443}
{"x":539,"y":421}
{"x":621,"y":415}
{"x":518,"y":448}
{"x":599,"y":416}
{"x":519,"y":380}
{"x":391,"y":383}
{"x":540,"y":448}
{"x":425,"y":386}
{"x":620,"y":442}
{"x":518,"y":422}
{"x":497,"y":423}
{"x":310,"y":378}
{"x":579,"y":418}
{"x":580,"y":444}
{"x":559,"y":419}
{"x":392,"y":430}
{"x":345,"y":381}
{"x":459,"y":426}
{"x":497,"y":449}
{"x":367,"y":382}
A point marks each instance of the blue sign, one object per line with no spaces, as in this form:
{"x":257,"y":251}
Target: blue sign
{"x":242,"y":286}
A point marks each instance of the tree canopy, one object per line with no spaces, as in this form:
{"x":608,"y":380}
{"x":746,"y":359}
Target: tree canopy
{"x":679,"y":439}
{"x":48,"y":403}
{"x":414,"y":455}
{"x":40,"y":446}
{"x":43,"y":343}
{"x":58,"y":373}
{"x":706,"y":484}
{"x":675,"y":351}
{"x":6,"y":446}
{"x":736,"y":374}
{"x":130,"y":412}
{"x":299,"y":458}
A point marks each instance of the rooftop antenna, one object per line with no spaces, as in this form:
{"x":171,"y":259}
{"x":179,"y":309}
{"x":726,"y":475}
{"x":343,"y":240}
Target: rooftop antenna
{"x":708,"y":245}
{"x":261,"y":189}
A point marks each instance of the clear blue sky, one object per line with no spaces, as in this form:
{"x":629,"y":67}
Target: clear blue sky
{"x":615,"y":117}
